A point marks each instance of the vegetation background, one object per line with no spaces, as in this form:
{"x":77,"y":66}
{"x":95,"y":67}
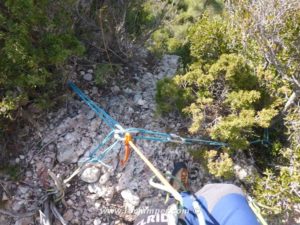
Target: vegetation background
{"x":239,"y":74}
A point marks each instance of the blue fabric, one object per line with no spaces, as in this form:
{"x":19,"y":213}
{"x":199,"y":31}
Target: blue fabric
{"x":232,"y":209}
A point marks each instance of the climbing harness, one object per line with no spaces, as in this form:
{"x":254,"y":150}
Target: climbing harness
{"x":130,"y":134}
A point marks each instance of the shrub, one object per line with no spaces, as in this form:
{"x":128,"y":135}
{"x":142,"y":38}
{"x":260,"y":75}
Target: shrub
{"x":220,"y":166}
{"x":36,"y":39}
{"x":170,"y":96}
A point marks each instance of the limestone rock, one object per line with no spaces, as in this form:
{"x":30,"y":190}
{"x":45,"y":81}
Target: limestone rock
{"x":88,"y":77}
{"x":91,"y":174}
{"x":66,"y":153}
{"x":130,"y":198}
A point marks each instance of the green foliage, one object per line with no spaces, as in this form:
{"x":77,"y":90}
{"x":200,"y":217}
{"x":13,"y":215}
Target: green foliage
{"x":139,"y":18}
{"x":230,"y":96}
{"x":210,"y":38}
{"x":104,"y":73}
{"x":169,"y":96}
{"x":220,"y":166}
{"x":278,"y":189}
{"x":36,"y":39}
{"x":239,"y":78}
{"x":172,"y":38}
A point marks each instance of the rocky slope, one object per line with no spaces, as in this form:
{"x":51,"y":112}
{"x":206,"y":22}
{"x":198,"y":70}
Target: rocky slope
{"x":75,"y":129}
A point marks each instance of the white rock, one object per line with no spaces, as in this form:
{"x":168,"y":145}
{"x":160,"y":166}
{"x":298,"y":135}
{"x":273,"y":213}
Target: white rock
{"x":240,"y":172}
{"x":91,"y":174}
{"x":90,"y":71}
{"x":141,"y":102}
{"x":97,"y":221}
{"x":88,"y":77}
{"x":104,"y":178}
{"x":137,"y":97}
{"x":130,"y":198}
{"x":82,"y":72}
{"x":71,"y":137}
{"x":101,"y":191}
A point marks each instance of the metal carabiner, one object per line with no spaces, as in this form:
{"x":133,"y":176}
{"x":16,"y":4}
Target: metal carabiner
{"x":176,"y":138}
{"x":127,"y":139}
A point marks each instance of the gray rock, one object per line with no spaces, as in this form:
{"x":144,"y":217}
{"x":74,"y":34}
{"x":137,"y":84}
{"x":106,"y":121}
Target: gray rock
{"x":72,"y":137}
{"x":18,"y":205}
{"x":88,"y":77}
{"x":91,"y":174}
{"x":137,"y":97}
{"x":115,"y":89}
{"x":24,"y":221}
{"x":101,"y":191}
{"x":66,"y":153}
{"x":130,"y":198}
{"x":68,"y":216}
{"x":94,"y":90}
{"x":90,"y":71}
{"x":91,"y":114}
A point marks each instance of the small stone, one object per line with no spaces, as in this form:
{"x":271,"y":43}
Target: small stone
{"x":90,"y":71}
{"x":88,"y":77}
{"x":68,"y":216}
{"x":71,"y":137}
{"x":22,"y":157}
{"x":94,"y":90}
{"x":23,"y":190}
{"x":18,"y":205}
{"x":82,"y":72}
{"x":141,"y":102}
{"x":17,"y":160}
{"x":137,"y":97}
{"x":115,"y":89}
{"x":48,"y":160}
{"x":51,"y":147}
{"x":104,"y":178}
{"x":240,"y":172}
{"x":97,"y":221}
{"x":130,"y":198}
{"x":24,"y":221}
{"x":66,"y":153}
{"x":91,"y":174}
{"x":70,"y":202}
{"x":91,"y":114}
{"x":4,"y":197}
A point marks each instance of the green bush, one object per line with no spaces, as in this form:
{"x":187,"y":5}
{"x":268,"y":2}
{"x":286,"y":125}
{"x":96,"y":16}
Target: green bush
{"x":169,"y":96}
{"x":36,"y":39}
{"x":229,"y":97}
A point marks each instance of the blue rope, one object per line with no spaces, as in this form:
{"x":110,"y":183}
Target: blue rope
{"x":142,"y":134}
{"x":99,"y":111}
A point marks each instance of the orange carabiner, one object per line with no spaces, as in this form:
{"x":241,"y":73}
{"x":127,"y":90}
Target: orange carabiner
{"x":128,"y":138}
